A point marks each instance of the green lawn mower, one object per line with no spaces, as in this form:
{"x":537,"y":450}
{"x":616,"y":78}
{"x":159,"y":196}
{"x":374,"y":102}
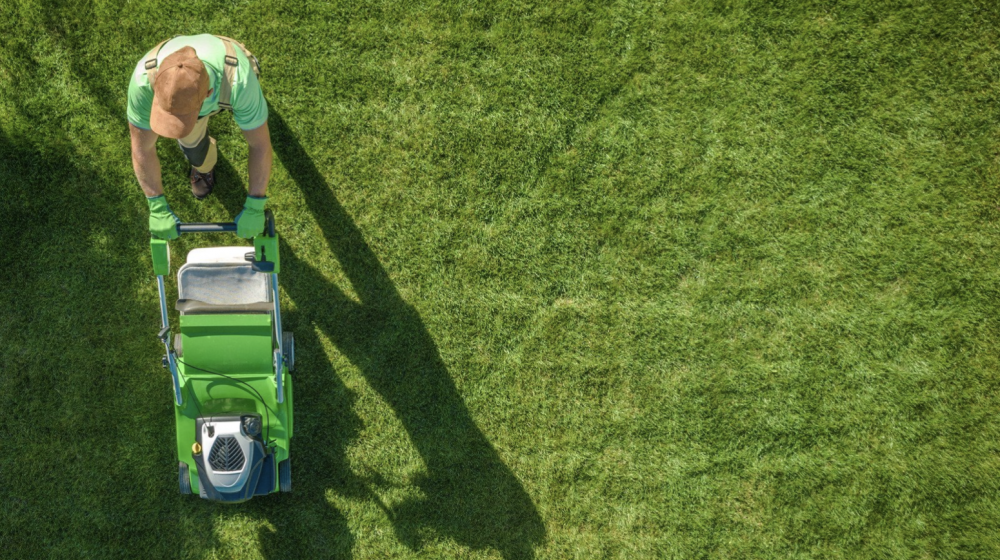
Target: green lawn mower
{"x":230,"y":366}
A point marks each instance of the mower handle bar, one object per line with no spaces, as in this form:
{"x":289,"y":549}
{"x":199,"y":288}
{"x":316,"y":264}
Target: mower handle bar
{"x":206,"y":227}
{"x":216,"y":227}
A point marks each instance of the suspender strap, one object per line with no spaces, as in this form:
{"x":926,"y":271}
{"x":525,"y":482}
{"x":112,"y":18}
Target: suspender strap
{"x":229,"y":70}
{"x":254,"y":63}
{"x":152,"y":61}
{"x":228,"y":73}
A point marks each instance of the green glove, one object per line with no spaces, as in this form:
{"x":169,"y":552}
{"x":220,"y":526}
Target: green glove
{"x":162,"y":220}
{"x":250,"y":221}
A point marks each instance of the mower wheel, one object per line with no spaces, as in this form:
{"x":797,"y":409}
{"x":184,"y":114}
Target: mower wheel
{"x":285,"y":475}
{"x":288,"y":345}
{"x":183,"y":478}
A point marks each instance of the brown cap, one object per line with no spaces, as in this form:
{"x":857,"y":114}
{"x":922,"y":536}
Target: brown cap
{"x":180,"y":88}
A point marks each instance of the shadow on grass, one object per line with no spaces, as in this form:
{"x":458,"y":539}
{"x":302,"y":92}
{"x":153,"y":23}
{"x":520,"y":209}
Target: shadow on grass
{"x":229,"y":190}
{"x":89,"y":465}
{"x":470,"y":494}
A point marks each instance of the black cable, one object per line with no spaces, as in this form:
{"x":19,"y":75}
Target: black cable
{"x":266,"y":411}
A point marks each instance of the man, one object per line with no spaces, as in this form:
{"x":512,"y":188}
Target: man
{"x":174,"y":90}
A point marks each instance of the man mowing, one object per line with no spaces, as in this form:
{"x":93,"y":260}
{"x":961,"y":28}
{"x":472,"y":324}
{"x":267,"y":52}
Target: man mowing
{"x":174,"y":90}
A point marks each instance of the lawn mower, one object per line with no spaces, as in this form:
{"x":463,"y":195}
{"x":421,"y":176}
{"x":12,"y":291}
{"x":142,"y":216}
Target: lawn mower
{"x":230,"y":366}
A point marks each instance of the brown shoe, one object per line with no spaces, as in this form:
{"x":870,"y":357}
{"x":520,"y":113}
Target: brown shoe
{"x":202,"y":183}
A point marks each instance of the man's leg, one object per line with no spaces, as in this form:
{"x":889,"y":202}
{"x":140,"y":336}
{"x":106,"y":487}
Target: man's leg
{"x":200,"y":151}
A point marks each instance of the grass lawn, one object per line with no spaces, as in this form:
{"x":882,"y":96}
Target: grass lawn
{"x":667,"y":279}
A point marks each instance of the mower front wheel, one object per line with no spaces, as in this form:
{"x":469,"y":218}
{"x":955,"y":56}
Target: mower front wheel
{"x":183,"y":478}
{"x":285,"y":475}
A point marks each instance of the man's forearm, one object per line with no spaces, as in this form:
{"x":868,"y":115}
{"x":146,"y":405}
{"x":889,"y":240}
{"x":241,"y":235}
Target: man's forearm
{"x":147,"y":171}
{"x":260,"y":159}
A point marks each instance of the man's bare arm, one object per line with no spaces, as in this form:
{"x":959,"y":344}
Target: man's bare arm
{"x":260,"y":158}
{"x":144,"y":160}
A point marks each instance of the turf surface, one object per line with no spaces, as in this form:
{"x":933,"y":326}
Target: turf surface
{"x":568,"y":280}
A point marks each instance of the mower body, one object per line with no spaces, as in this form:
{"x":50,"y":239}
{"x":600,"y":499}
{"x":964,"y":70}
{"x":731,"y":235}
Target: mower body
{"x":231,"y":369}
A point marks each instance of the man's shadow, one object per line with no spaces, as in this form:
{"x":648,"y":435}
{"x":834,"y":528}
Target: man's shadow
{"x":469,"y":493}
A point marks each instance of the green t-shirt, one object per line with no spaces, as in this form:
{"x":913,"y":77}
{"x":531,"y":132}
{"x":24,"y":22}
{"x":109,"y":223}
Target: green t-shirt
{"x":249,"y":107}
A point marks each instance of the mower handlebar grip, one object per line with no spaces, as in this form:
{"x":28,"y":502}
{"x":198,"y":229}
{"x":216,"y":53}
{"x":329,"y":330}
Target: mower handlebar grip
{"x":216,"y":227}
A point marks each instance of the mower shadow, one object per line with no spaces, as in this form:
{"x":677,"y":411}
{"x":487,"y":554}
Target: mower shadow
{"x":470,"y":495}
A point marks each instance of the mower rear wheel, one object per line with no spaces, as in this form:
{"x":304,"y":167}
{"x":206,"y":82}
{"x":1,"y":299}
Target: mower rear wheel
{"x":183,"y":478}
{"x":285,"y":475}
{"x":288,"y":345}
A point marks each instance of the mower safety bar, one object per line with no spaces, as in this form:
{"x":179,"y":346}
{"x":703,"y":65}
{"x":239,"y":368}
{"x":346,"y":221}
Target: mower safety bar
{"x":217,"y":227}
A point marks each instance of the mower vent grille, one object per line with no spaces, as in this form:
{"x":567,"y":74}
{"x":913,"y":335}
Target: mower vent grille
{"x":226,"y":455}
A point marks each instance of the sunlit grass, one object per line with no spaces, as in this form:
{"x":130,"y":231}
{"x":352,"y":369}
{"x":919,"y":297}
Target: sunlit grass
{"x":572,"y":280}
